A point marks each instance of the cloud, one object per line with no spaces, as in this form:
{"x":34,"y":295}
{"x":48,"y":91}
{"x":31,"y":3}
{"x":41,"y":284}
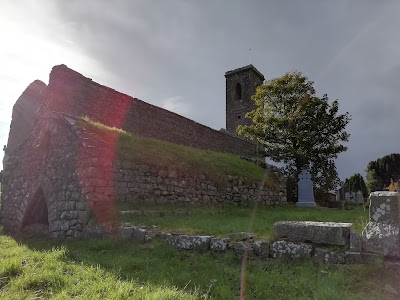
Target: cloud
{"x":177,"y":105}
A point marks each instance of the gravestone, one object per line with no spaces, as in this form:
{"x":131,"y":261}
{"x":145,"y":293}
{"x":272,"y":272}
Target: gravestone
{"x":382,"y":233}
{"x":354,"y":197}
{"x":305,"y":190}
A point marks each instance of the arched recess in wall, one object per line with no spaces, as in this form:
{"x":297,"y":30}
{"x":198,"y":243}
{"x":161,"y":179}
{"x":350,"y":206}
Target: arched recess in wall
{"x":36,"y":211}
{"x":238,"y":91}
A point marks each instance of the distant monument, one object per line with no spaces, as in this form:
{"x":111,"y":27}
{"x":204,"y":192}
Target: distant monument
{"x":305,"y":190}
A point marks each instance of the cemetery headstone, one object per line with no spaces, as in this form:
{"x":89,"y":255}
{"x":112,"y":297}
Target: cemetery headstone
{"x":305,"y":190}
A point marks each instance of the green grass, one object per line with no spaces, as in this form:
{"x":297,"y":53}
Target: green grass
{"x":183,"y":159}
{"x":112,"y":269}
{"x":230,"y":219}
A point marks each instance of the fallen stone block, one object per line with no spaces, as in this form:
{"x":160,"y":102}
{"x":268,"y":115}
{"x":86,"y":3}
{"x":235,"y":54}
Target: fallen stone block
{"x":329,"y":257}
{"x":187,"y":242}
{"x":125,"y":232}
{"x":292,"y":250}
{"x":219,"y":244}
{"x":328,"y":233}
{"x":139,"y":234}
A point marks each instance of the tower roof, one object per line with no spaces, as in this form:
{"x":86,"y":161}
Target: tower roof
{"x":248,"y":67}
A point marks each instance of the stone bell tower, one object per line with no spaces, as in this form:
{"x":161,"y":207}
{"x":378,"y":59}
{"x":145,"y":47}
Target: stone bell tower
{"x":241,"y":84}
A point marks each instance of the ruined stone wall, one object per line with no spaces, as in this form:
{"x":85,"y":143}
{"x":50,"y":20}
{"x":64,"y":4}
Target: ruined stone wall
{"x":24,"y":116}
{"x":72,"y":93}
{"x":81,"y":178}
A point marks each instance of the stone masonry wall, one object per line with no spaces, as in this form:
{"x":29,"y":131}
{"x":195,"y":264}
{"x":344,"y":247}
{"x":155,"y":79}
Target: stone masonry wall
{"x":64,"y":172}
{"x":74,"y":94}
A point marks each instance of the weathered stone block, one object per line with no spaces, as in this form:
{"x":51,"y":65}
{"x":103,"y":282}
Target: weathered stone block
{"x":187,"y":242}
{"x":291,"y":250}
{"x":139,"y":234}
{"x":329,"y":233}
{"x":353,"y":258}
{"x":355,"y":242}
{"x":219,"y":244}
{"x":382,"y":233}
{"x":261,"y":248}
{"x":125,"y":232}
{"x":329,"y":257}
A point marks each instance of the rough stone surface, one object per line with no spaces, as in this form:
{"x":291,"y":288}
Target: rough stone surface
{"x":290,"y":250}
{"x":353,"y":258}
{"x":328,"y":233}
{"x":355,"y":242}
{"x":261,"y":248}
{"x":241,"y":248}
{"x":187,"y":242}
{"x":329,"y":257}
{"x":382,"y":234}
{"x":139,"y":234}
{"x":219,"y":244}
{"x":125,"y":232}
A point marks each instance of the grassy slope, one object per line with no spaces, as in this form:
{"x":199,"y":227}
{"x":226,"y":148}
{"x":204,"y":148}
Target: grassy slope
{"x":112,"y":269}
{"x":185,"y":159}
{"x":211,"y":220}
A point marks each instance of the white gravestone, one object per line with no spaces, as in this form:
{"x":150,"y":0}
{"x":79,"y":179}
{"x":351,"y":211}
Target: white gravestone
{"x":305,"y":190}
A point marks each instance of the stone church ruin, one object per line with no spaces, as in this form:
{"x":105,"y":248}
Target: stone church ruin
{"x":63,"y":175}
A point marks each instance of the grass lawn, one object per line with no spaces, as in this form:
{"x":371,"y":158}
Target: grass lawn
{"x":230,"y":219}
{"x":112,"y":269}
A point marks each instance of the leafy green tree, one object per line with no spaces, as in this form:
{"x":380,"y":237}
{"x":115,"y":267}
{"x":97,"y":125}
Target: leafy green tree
{"x":384,"y":170}
{"x":298,"y":128}
{"x":356,"y":183}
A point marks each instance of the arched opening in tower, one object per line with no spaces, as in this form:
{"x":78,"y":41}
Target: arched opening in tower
{"x":238,"y":91}
{"x":36,"y":211}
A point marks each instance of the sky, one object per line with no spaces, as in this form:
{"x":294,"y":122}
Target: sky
{"x":174,"y":54}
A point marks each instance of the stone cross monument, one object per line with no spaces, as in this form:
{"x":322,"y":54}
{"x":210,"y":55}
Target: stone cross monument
{"x":305,"y":190}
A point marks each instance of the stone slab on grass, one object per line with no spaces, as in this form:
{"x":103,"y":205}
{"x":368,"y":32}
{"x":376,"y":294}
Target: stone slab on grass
{"x":328,"y":233}
{"x":188,"y":242}
{"x":290,"y":250}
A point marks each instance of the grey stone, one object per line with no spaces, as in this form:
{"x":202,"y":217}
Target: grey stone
{"x":125,"y":232}
{"x":353,"y":258}
{"x":241,"y":247}
{"x":328,"y":233}
{"x":328,"y":256}
{"x":187,"y":242}
{"x":382,"y":233}
{"x":291,"y":250}
{"x":139,"y":234}
{"x":219,"y":244}
{"x":261,"y":248}
{"x":305,"y":190}
{"x":355,"y":242}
